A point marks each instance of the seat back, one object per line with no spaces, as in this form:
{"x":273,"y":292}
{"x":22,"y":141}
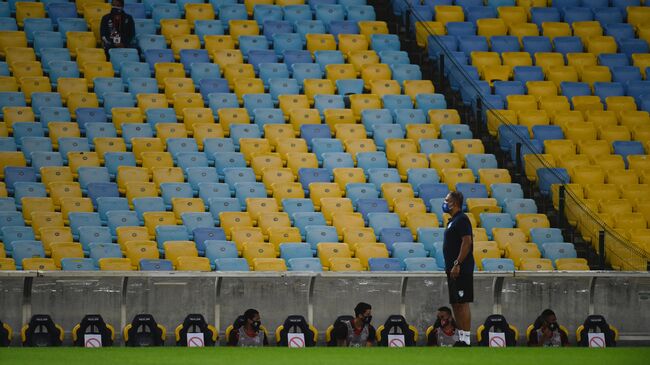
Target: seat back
{"x":331,"y":335}
{"x":296,"y":324}
{"x":92,"y":324}
{"x":596,"y":323}
{"x":41,"y":331}
{"x":396,"y":325}
{"x":195,"y":323}
{"x":496,"y":323}
{"x":143,"y":331}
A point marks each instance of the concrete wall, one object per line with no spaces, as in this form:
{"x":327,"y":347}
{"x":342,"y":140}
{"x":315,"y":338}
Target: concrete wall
{"x":622,"y":297}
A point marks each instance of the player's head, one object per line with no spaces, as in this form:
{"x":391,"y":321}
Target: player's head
{"x":117,"y":4}
{"x":453,"y":202}
{"x":364,"y":311}
{"x":548,"y":316}
{"x":252,"y":317}
{"x":444,"y":316}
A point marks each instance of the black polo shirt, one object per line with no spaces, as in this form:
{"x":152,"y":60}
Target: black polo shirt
{"x":459,"y":226}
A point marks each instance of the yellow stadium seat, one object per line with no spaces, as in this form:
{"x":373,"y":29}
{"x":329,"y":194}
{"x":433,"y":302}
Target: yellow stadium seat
{"x":615,"y":206}
{"x":150,"y":101}
{"x":188,"y":263}
{"x":170,"y":28}
{"x":533,"y":162}
{"x":542,"y":89}
{"x":331,"y":205}
{"x":586,"y":30}
{"x":247,"y":86}
{"x":194,"y":12}
{"x":336,"y":72}
{"x":438,"y":117}
{"x":265,"y":160}
{"x":26,"y":10}
{"x":404,"y":206}
{"x":629,"y":221}
{"x":140,"y":190}
{"x":280,"y":235}
{"x":215,"y":43}
{"x":416,"y":132}
{"x":567,"y":264}
{"x":115,"y":264}
{"x":556,"y":29}
{"x":93,"y":70}
{"x":342,"y":221}
{"x":467,"y":146}
{"x":186,"y":205}
{"x":369,"y":251}
{"x":397,"y":146}
{"x":136,"y":250}
{"x":242,"y":235}
{"x":62,"y":250}
{"x":282,"y":189}
{"x":489,"y":27}
{"x":610,"y":163}
{"x":614,"y":133}
{"x":38,"y":263}
{"x":558,"y":148}
{"x":521,"y":102}
{"x":225,"y":57}
{"x":505,"y":236}
{"x":496,"y":117}
{"x":485,"y":250}
{"x":289,"y":102}
{"x":601,"y":191}
{"x":348,"y":175}
{"x":361,"y":102}
{"x":410,"y":160}
{"x":290,"y":145}
{"x":250,"y":147}
{"x":592,"y":73}
{"x":620,"y":103}
{"x":85,"y":55}
{"x":329,"y":250}
{"x":320,"y":42}
{"x":257,"y":206}
{"x":229,"y":116}
{"x":317,"y":191}
{"x":318,"y":87}
{"x":172,"y":83}
{"x":175,"y":249}
{"x":299,"y":117}
{"x":414,"y":221}
{"x":235,"y":71}
{"x":17,"y":114}
{"x":203,"y":131}
{"x":230,"y":220}
{"x":268,"y":220}
{"x":546,"y":60}
{"x":601,"y":44}
{"x":556,"y":105}
{"x":164,"y":70}
{"x":146,"y":144}
{"x":384,"y":87}
{"x":512,"y":15}
{"x":523,"y":30}
{"x":369,"y":27}
{"x":393,"y":191}
{"x":9,"y":83}
{"x":242,"y":27}
{"x":527,"y":221}
{"x":441,"y":161}
{"x":356,"y":236}
{"x":255,"y":250}
{"x":641,"y":60}
{"x":346,"y":131}
{"x":298,"y":160}
{"x":587,"y":175}
{"x":123,"y":115}
{"x":535,"y":264}
{"x":81,"y":100}
{"x":360,"y":145}
{"x":333,"y":117}
{"x":414,"y":87}
{"x":62,"y":130}
{"x":449,"y":13}
{"x":423,"y":29}
{"x":373,"y":72}
{"x":517,"y":59}
{"x":41,"y":219}
{"x":60,"y":190}
{"x":482,"y":60}
{"x":164,"y":131}
{"x":11,"y":38}
{"x":34,"y":84}
{"x":343,"y":264}
{"x":269,"y":264}
{"x":7,"y":264}
{"x":154,"y":219}
{"x":186,"y":100}
{"x":52,"y":235}
{"x":129,"y":234}
{"x":81,"y":159}
{"x":621,"y":177}
{"x":11,"y":159}
{"x":352,"y":42}
{"x":73,"y":204}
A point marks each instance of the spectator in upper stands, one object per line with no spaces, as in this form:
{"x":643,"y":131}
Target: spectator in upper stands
{"x":357,"y":332}
{"x":445,"y":333}
{"x":547,"y":332}
{"x":117,"y":28}
{"x":248,"y":332}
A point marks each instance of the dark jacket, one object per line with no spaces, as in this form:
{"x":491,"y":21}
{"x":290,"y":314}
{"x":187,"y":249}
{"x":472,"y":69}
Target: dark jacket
{"x":126,"y":30}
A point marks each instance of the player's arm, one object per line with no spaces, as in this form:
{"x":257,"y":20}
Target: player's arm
{"x":372,"y":334}
{"x":465,"y":248}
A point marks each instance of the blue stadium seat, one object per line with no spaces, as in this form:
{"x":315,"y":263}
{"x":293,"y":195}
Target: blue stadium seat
{"x":148,"y":204}
{"x":223,"y":204}
{"x":11,"y":234}
{"x":291,"y":206}
{"x":89,"y":175}
{"x":455,"y":131}
{"x":490,"y":221}
{"x":549,"y":176}
{"x":421,"y":264}
{"x":472,"y":43}
{"x":196,"y":220}
{"x":514,"y":206}
{"x":385,"y":264}
{"x":121,"y":218}
{"x":506,"y":88}
{"x":315,"y":234}
{"x":26,"y":249}
{"x":168,"y":191}
{"x":429,"y":191}
{"x":233,"y":175}
{"x":310,"y":264}
{"x":418,"y":176}
{"x":155,"y":265}
{"x":606,"y":15}
{"x":504,"y":191}
{"x":372,"y":117}
{"x":208,"y":27}
{"x":99,"y":251}
{"x":558,"y":250}
{"x":547,"y":132}
{"x":27,"y":189}
{"x":291,"y":57}
{"x":535,"y":44}
{"x":381,"y":221}
{"x":82,"y":219}
{"x":607,"y":89}
{"x":366,"y":206}
{"x":498,"y":265}
{"x":15,"y":174}
{"x":333,"y":160}
{"x":231,"y":264}
{"x":220,"y":249}
{"x":290,"y":251}
{"x":626,"y":148}
{"x":244,"y":190}
{"x":105,"y":204}
{"x":541,"y":15}
{"x":404,"y":250}
{"x":429,"y":146}
{"x":302,"y":220}
{"x":224,"y":160}
{"x":77,"y":264}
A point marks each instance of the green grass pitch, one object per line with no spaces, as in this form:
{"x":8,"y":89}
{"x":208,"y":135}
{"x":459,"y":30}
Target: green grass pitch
{"x":329,"y":356}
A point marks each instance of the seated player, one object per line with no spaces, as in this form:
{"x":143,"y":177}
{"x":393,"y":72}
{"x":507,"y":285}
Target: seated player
{"x":248,"y":331}
{"x":546,"y":332}
{"x":357,"y":332}
{"x":445,"y":333}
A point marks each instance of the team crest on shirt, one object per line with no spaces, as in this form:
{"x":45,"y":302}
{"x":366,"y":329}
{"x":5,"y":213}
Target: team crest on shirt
{"x":461,"y":293}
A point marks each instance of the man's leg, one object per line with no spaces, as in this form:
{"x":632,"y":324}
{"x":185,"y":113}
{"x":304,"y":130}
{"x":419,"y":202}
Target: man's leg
{"x":463,"y":321}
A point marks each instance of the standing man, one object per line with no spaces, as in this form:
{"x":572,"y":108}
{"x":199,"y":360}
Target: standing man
{"x":117,"y":28}
{"x":459,"y":263}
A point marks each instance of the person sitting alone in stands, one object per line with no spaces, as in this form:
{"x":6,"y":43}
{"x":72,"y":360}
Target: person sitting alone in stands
{"x":445,"y":331}
{"x":249,"y":332}
{"x":117,"y":28}
{"x":547,"y":332}
{"x":357,"y":332}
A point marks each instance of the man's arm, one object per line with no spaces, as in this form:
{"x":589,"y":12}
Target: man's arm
{"x":128,"y":42}
{"x":372,"y":335}
{"x":465,"y":249}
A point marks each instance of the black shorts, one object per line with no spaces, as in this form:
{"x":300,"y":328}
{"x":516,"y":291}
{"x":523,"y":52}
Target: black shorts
{"x":461,"y":289}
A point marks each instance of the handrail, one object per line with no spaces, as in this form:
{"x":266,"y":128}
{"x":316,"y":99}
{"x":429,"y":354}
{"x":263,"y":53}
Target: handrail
{"x":635,"y":253}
